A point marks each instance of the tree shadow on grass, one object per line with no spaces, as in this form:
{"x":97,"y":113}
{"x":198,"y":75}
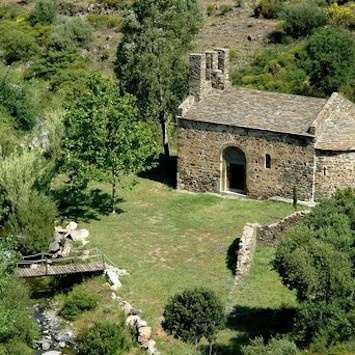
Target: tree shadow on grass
{"x":249,"y":323}
{"x":232,"y":254}
{"x":84,"y":205}
{"x":253,"y":322}
{"x":164,"y":172}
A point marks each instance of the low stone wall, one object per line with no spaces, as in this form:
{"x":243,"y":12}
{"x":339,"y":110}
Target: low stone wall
{"x":246,"y":249}
{"x":271,"y":234}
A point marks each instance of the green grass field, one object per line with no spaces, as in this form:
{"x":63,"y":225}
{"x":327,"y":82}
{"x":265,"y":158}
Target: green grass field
{"x":170,"y":240}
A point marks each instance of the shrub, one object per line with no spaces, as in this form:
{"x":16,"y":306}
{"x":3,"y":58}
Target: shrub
{"x":194,"y":314}
{"x":342,"y":16}
{"x":17,"y":100}
{"x":224,"y":9}
{"x":268,"y":8}
{"x":103,"y":21}
{"x":302,"y":18}
{"x":77,"y":302}
{"x":105,"y":338}
{"x":274,"y":347}
{"x":74,"y":33}
{"x":328,"y":59}
{"x":44,"y":11}
{"x":211,"y":9}
{"x":16,"y":45}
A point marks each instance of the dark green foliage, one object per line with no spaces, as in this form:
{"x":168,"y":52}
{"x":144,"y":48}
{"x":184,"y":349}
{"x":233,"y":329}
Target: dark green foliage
{"x":31,"y":221}
{"x":324,"y":324}
{"x":300,"y":19}
{"x":194,"y":314}
{"x":17,"y":45}
{"x":43,"y":12}
{"x":105,"y":338}
{"x":294,"y":197}
{"x":150,"y":63}
{"x":70,"y":35}
{"x":268,"y":8}
{"x":317,"y":259}
{"x":16,"y":100}
{"x":273,"y":347}
{"x":17,"y":327}
{"x":329,"y":60}
{"x":77,"y":302}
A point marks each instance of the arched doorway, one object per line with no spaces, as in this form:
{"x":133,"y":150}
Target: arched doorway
{"x":233,"y":170}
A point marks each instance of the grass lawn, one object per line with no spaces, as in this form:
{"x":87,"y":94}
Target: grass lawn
{"x":170,"y":240}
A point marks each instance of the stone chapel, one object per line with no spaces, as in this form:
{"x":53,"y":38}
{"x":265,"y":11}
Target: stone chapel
{"x":261,"y":144}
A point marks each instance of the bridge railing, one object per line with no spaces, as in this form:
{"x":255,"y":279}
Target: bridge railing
{"x":75,"y":257}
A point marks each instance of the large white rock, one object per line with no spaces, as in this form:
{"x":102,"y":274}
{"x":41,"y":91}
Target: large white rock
{"x":113,"y":279}
{"x":52,"y":352}
{"x":132,"y":320}
{"x":79,"y":234}
{"x":126,"y":307}
{"x":71,"y":226}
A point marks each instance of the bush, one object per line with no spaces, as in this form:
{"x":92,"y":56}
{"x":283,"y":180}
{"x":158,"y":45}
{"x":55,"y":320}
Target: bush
{"x":301,"y":19}
{"x":31,"y":221}
{"x":44,"y":12}
{"x":224,"y":9}
{"x":274,"y":347}
{"x":268,"y":8}
{"x":342,"y":16}
{"x":328,"y":59}
{"x":194,"y":314}
{"x":17,"y":101}
{"x":77,"y":302}
{"x":16,"y":45}
{"x":105,"y":338}
{"x":70,"y":35}
{"x":102,"y":21}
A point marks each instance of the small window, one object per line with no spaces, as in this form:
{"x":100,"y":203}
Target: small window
{"x":268,"y":161}
{"x":325,"y":171}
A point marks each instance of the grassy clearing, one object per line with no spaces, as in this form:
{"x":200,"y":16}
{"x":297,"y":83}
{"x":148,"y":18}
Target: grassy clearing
{"x":170,"y":241}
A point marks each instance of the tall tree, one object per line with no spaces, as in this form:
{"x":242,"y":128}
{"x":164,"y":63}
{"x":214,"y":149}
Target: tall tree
{"x":149,"y":59}
{"x":104,"y":137}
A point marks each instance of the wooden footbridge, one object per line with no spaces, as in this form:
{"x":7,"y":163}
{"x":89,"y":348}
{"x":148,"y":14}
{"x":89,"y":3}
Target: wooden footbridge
{"x":43,"y":264}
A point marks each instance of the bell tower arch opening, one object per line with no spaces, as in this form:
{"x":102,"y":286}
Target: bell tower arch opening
{"x":233,"y":174}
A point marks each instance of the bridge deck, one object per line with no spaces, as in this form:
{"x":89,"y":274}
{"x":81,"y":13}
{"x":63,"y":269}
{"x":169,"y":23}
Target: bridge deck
{"x":51,"y":270}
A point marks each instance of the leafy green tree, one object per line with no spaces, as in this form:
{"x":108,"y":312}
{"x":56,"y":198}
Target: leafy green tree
{"x":194,"y":314}
{"x":104,"y":137}
{"x":43,"y":12}
{"x":149,"y":59}
{"x":329,"y":60}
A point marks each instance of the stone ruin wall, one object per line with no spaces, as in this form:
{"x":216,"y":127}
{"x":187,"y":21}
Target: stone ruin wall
{"x":269,"y":234}
{"x":200,"y":147}
{"x":335,"y":170}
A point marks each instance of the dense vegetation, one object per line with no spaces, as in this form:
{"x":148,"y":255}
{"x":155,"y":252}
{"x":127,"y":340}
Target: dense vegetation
{"x":63,"y":111}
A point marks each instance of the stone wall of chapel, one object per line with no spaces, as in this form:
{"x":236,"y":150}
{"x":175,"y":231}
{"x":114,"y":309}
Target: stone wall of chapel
{"x":335,"y":170}
{"x":199,"y":159}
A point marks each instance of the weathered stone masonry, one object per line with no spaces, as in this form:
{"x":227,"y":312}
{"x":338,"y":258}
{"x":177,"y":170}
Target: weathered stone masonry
{"x":261,"y":144}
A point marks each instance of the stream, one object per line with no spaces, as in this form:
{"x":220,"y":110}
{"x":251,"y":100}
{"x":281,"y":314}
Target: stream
{"x":56,"y":334}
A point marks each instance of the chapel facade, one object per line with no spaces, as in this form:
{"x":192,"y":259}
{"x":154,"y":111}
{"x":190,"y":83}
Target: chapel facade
{"x":261,"y":144}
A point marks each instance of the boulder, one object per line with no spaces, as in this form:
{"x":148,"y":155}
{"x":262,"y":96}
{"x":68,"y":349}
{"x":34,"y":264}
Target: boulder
{"x":126,"y":307}
{"x":141,"y":323}
{"x":135,"y":312}
{"x":54,"y":247}
{"x":150,"y":348}
{"x":144,"y":334}
{"x":52,"y":352}
{"x":71,"y":226}
{"x":132,"y":321}
{"x":79,"y":234}
{"x":46,"y":344}
{"x":113,"y":279}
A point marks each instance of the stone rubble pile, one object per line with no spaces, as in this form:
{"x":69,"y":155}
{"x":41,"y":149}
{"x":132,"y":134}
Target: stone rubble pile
{"x":54,"y":336}
{"x":62,"y":242}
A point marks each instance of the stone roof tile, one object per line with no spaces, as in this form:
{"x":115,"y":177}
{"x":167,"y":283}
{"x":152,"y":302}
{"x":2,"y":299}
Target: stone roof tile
{"x":256,"y":109}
